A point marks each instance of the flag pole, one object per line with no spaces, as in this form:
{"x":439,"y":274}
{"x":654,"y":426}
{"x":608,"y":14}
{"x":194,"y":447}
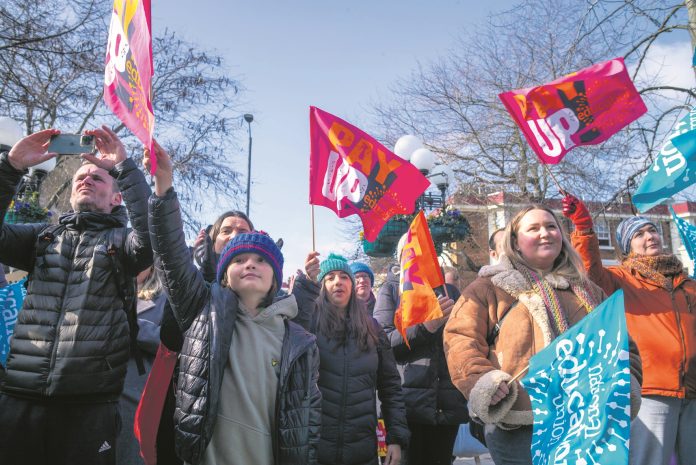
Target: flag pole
{"x":518,"y":375}
{"x":314,"y":246}
{"x":548,"y":170}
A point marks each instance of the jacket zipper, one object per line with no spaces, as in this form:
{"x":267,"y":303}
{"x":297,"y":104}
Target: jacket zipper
{"x":61,"y":316}
{"x":682,"y":369}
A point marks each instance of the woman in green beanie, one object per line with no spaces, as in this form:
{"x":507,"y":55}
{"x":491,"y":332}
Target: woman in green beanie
{"x":356,"y":363}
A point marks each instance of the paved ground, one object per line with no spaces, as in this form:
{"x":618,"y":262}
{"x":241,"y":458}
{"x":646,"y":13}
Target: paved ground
{"x":484,"y":460}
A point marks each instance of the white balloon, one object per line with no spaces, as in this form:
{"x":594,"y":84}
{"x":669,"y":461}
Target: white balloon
{"x":423,"y":159}
{"x":10,"y":131}
{"x":406,"y":145}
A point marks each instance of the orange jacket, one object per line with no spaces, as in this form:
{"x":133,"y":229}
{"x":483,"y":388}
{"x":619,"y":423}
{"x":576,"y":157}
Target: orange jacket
{"x":662,"y":323}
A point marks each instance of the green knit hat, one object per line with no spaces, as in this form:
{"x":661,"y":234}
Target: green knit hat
{"x":335,"y":262}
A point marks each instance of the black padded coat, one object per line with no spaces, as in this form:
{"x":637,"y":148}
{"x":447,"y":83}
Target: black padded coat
{"x":350,"y":380}
{"x":72,"y":336}
{"x":208,"y":314}
{"x":431,"y":398}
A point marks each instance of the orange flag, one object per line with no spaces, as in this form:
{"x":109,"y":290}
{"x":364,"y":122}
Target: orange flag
{"x":420,"y":274}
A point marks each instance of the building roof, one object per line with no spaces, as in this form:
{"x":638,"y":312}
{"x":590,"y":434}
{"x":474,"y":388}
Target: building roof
{"x":624,"y":208}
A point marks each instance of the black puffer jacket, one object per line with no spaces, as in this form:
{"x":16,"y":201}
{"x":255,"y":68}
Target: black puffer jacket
{"x":208,"y":315}
{"x":349,"y":380}
{"x":431,"y":398}
{"x":72,"y":337}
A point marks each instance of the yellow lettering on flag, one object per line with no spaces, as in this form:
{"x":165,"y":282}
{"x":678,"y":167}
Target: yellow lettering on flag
{"x":340,"y":136}
{"x":361,"y":154}
{"x":386,"y":168}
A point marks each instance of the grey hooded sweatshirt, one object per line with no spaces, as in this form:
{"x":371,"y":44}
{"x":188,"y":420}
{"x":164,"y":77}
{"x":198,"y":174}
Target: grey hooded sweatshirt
{"x":246,"y":414}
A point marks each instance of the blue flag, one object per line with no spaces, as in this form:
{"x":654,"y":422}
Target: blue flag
{"x":687,"y":232}
{"x":580,"y":388}
{"x":674,"y":168}
{"x":11,"y":299}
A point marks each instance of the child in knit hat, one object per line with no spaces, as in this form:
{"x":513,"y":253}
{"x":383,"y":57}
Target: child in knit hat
{"x":245,"y":369}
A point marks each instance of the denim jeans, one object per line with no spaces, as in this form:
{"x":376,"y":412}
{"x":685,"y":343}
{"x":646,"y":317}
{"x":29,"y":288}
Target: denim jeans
{"x":510,"y":447}
{"x":664,"y":425}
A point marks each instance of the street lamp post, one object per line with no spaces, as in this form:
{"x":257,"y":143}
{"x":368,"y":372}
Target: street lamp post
{"x":248,"y":118}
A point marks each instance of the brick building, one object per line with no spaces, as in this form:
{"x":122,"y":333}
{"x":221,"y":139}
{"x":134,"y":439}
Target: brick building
{"x":493,"y":212}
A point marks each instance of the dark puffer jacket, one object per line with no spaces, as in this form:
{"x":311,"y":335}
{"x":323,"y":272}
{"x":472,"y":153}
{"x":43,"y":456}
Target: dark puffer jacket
{"x":431,"y":398}
{"x":72,"y":337}
{"x":349,"y":380}
{"x":208,"y":315}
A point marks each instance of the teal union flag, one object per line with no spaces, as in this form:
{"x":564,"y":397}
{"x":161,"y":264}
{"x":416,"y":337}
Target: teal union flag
{"x":580,"y":391}
{"x":674,"y":168}
{"x":11,"y":300}
{"x":687,"y":232}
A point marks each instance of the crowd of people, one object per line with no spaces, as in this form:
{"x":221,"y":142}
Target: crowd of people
{"x":300,"y":376}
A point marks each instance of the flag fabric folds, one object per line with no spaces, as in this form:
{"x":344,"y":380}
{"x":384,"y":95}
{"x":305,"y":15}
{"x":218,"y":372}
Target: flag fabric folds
{"x":351,"y":173}
{"x":687,"y":232}
{"x":11,"y":300}
{"x":674,"y":167}
{"x":579,"y":387}
{"x":151,"y":404}
{"x":420,"y":274}
{"x":129,"y":69}
{"x":583,"y":108}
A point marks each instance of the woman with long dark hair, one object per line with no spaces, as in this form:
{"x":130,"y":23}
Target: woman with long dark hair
{"x":356,"y":363}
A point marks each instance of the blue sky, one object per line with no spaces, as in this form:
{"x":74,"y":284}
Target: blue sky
{"x":290,"y":55}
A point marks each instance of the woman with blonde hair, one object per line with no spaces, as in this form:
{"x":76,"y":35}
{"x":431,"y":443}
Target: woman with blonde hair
{"x":534,"y":294}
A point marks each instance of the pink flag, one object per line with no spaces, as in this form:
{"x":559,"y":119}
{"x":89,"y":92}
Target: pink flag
{"x":351,"y":173}
{"x":583,"y":108}
{"x":128,"y":71}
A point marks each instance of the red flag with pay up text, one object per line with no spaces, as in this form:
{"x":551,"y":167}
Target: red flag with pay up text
{"x":351,"y":173}
{"x":583,"y":108}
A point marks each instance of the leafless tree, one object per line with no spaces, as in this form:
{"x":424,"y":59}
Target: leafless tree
{"x":453,"y":103}
{"x":57,"y":81}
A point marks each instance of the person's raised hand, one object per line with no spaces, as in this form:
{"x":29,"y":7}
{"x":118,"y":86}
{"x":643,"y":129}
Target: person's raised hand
{"x":31,"y":150}
{"x":311,"y":265}
{"x":164,"y":174}
{"x":577,"y":212}
{"x":200,"y":239}
{"x":446,"y":305}
{"x":110,"y":149}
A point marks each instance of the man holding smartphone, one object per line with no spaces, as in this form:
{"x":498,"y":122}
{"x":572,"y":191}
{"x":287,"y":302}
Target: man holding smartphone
{"x":69,"y":351}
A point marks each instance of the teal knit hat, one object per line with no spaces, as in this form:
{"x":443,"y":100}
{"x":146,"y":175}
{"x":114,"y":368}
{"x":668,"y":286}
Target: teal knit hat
{"x":335,"y":262}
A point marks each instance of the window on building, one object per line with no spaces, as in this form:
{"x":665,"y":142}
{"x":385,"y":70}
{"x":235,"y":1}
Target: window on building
{"x":603,"y":234}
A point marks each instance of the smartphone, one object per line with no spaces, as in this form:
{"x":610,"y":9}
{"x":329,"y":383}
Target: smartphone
{"x":71,"y":144}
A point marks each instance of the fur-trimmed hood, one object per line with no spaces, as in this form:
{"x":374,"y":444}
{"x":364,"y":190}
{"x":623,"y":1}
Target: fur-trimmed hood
{"x":501,"y":293}
{"x":504,"y":276}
